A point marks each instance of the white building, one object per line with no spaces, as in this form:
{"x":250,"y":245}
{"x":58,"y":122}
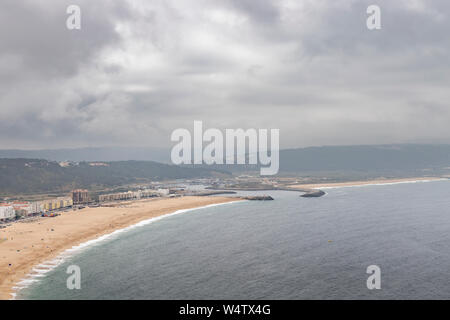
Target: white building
{"x":163,"y":192}
{"x":7,"y":212}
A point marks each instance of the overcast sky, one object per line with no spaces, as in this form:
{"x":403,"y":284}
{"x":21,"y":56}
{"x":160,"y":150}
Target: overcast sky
{"x":139,"y":69}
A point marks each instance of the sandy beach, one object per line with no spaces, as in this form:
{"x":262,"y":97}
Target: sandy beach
{"x":28,"y":243}
{"x":360,"y":183}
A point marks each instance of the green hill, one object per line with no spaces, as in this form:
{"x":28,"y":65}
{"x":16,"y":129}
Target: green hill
{"x":37,"y":176}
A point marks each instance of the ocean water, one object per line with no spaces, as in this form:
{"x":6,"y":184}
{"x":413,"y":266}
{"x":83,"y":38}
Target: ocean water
{"x":289,"y":248}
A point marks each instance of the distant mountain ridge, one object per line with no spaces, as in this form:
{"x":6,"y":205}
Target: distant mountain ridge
{"x":357,"y":157}
{"x":366,"y":157}
{"x":91,"y":154}
{"x":363,"y":160}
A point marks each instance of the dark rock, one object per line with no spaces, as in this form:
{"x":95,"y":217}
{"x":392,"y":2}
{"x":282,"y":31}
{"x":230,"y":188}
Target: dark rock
{"x":313,"y":194}
{"x":263,"y":198}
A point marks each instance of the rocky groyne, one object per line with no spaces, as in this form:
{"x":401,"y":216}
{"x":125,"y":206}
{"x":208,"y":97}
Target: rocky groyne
{"x":313,"y":194}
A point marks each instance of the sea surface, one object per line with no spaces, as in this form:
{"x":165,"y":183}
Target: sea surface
{"x":289,"y":248}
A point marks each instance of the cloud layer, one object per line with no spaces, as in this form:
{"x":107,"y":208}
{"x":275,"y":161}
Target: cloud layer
{"x":137,"y":70}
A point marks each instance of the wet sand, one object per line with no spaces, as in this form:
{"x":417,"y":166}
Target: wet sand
{"x":28,"y":243}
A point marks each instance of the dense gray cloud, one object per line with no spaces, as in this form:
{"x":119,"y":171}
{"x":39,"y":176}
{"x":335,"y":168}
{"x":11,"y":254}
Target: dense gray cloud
{"x":137,"y":70}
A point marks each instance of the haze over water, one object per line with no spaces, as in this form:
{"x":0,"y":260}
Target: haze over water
{"x":289,"y":248}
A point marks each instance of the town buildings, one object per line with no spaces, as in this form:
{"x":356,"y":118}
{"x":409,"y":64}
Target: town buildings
{"x":79,"y":196}
{"x":140,"y":194}
{"x":28,"y":209}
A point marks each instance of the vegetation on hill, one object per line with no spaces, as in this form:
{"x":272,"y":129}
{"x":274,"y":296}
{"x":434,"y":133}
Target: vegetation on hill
{"x":36,"y":176}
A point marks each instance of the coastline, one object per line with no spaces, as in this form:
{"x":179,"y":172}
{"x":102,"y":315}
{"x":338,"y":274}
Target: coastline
{"x":31,"y":244}
{"x":363,"y":183}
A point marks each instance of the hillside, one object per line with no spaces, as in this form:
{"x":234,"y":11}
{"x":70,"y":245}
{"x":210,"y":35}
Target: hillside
{"x":364,"y":158}
{"x":360,"y":161}
{"x":35,"y":176}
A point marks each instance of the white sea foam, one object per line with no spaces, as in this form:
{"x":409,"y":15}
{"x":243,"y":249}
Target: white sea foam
{"x":40,"y":270}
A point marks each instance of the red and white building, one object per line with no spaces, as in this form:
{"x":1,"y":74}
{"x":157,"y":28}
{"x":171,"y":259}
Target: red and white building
{"x":26,"y":208}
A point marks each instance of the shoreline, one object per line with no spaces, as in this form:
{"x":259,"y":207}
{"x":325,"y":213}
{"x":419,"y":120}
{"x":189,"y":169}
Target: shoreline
{"x":49,"y":241}
{"x":331,"y":185}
